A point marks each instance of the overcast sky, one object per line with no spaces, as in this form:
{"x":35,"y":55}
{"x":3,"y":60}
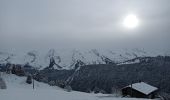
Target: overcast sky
{"x":45,"y":24}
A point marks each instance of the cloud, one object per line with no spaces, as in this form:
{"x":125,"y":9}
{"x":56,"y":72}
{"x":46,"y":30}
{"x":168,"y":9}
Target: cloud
{"x":49,"y":23}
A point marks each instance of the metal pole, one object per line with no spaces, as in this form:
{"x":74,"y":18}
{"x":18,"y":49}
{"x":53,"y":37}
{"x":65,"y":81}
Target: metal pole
{"x":33,"y":82}
{"x":131,"y":89}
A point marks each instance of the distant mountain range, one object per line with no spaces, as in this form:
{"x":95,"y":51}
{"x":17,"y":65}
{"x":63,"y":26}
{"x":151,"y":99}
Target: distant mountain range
{"x":69,"y":59}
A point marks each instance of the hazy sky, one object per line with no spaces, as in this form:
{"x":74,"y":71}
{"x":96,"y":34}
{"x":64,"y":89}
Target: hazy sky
{"x":45,"y":24}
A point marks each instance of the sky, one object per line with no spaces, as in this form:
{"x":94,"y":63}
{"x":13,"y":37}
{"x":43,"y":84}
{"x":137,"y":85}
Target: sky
{"x":46,"y":24}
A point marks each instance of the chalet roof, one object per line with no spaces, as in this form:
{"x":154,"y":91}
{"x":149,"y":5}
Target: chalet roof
{"x":143,"y":87}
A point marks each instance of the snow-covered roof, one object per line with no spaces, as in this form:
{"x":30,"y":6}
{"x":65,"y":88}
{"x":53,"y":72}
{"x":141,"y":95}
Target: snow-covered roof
{"x":143,"y":87}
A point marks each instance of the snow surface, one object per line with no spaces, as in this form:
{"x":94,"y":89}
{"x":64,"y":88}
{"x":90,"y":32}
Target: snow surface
{"x":143,"y":87}
{"x":17,"y":89}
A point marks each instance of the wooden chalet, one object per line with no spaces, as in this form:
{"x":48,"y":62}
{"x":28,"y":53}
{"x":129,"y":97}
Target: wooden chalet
{"x":140,"y":90}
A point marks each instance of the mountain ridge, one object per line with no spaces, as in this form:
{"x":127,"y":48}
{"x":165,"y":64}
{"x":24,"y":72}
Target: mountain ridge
{"x":72,"y":58}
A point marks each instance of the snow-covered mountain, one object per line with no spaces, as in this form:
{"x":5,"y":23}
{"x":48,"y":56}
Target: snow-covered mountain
{"x":69,"y":59}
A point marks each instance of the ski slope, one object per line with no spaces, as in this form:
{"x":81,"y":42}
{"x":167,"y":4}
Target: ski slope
{"x":17,"y":89}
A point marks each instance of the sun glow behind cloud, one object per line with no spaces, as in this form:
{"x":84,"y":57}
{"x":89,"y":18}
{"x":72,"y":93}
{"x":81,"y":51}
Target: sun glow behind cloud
{"x":131,"y":21}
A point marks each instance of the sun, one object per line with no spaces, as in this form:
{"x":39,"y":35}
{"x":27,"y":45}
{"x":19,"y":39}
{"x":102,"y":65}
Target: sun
{"x":131,"y":21}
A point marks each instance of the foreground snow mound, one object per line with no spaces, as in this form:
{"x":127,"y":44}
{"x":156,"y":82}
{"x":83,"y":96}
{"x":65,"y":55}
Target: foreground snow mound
{"x":18,"y":89}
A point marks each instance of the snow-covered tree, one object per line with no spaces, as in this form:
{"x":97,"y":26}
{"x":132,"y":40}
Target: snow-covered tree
{"x":29,"y":79}
{"x":68,"y":88}
{"x":2,"y":84}
{"x":52,"y":83}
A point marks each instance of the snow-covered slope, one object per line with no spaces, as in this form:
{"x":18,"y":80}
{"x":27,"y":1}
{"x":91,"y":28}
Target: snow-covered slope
{"x":14,"y":82}
{"x":17,"y":89}
{"x":67,"y":59}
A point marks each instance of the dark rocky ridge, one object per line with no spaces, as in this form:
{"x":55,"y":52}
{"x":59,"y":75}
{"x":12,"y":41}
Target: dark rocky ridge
{"x":153,"y":70}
